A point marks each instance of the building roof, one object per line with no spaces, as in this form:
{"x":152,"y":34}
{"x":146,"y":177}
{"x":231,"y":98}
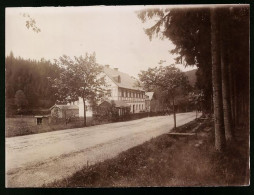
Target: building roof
{"x":67,"y":107}
{"x":125,"y":80}
{"x":150,"y":95}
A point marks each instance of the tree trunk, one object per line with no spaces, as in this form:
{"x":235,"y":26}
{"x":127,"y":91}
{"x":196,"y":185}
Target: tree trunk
{"x":211,"y":104}
{"x":225,"y":78}
{"x":196,"y":111}
{"x":231,"y":71}
{"x":231,"y":92}
{"x":84,"y":102}
{"x":236,"y":102}
{"x":216,"y":81}
{"x":174,"y":113}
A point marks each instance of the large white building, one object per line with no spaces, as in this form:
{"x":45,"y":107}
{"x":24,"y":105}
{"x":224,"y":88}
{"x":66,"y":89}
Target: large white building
{"x":122,"y":89}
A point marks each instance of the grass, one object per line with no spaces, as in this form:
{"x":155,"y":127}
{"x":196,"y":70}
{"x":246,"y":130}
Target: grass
{"x":26,"y":125}
{"x":168,"y":161}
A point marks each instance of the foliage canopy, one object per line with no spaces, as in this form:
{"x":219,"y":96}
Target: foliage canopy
{"x":80,"y":77}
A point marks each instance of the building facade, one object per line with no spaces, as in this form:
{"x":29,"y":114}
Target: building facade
{"x":122,"y":88}
{"x":65,"y":111}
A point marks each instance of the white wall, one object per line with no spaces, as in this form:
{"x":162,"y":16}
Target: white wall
{"x":138,"y":106}
{"x":89,"y":112}
{"x":113,"y":87}
{"x":114,"y":96}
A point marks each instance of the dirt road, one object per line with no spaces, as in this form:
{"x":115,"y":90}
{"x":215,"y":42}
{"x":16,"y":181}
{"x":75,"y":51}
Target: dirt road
{"x":34,"y":160}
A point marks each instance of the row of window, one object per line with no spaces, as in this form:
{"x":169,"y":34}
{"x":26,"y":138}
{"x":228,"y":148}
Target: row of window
{"x":137,"y":107}
{"x":125,"y":93}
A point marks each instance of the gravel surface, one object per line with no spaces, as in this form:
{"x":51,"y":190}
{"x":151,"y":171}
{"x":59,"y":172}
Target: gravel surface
{"x":34,"y":160}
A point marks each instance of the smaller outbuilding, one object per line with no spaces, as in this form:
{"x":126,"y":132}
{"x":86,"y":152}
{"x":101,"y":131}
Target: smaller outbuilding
{"x":153,"y":103}
{"x":41,"y":120}
{"x":122,"y":107}
{"x":119,"y":106}
{"x":64,"y":111}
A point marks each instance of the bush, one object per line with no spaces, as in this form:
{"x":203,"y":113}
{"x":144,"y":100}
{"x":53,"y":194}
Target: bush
{"x":139,"y":115}
{"x":160,"y":113}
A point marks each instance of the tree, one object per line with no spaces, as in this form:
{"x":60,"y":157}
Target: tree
{"x":169,"y":79}
{"x":218,"y":49}
{"x":196,"y":98}
{"x":31,"y":23}
{"x":20,"y":99}
{"x":225,"y":72}
{"x":55,"y":115}
{"x":81,"y":77}
{"x":189,"y":31}
{"x":216,"y":77}
{"x":30,"y":76}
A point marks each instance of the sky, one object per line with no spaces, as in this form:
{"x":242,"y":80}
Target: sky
{"x":114,"y":33}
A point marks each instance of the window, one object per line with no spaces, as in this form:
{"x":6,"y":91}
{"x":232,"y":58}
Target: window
{"x":109,"y":93}
{"x":136,"y":107}
{"x":142,"y":107}
{"x":39,"y":121}
{"x":139,"y":107}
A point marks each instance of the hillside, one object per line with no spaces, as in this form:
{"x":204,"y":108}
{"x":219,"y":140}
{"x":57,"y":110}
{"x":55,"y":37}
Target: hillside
{"x":31,"y":77}
{"x":191,"y":74}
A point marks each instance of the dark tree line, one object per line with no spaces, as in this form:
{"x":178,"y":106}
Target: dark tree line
{"x":216,"y":40}
{"x":31,"y":77}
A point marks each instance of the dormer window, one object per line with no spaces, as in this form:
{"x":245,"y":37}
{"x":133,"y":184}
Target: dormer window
{"x":117,"y":78}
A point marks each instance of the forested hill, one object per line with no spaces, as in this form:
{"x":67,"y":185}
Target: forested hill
{"x":191,"y":74}
{"x":31,"y":77}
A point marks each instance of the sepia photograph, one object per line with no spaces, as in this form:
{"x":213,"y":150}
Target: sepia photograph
{"x":127,"y":96}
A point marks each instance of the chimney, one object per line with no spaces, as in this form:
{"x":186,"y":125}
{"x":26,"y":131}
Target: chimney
{"x":116,"y":69}
{"x":107,"y":66}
